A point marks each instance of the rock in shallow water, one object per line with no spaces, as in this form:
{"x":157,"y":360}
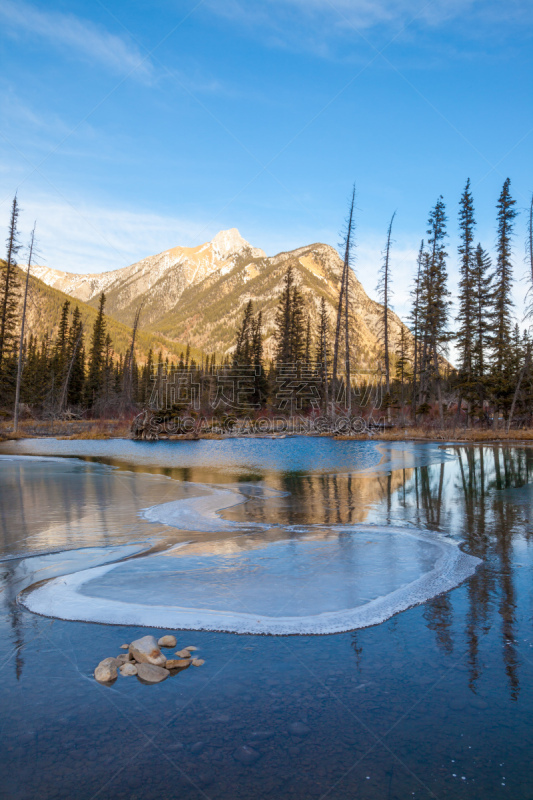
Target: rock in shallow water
{"x":151,"y":673}
{"x":128,"y":668}
{"x":177,"y":663}
{"x":106,"y":671}
{"x":167,"y":641}
{"x":183,"y":654}
{"x":246,"y":755}
{"x":299,"y":729}
{"x":146,"y":651}
{"x":197,"y":662}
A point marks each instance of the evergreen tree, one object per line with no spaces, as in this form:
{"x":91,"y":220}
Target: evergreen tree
{"x":59,"y":358}
{"x":97,"y":354}
{"x":243,"y":348}
{"x":482,"y":303}
{"x":435,"y":303}
{"x":261,"y":386}
{"x":323,"y":354}
{"x":297,"y":327}
{"x":284,"y":327}
{"x":307,"y":356}
{"x":76,"y":360}
{"x":503,"y":279}
{"x":9,"y":301}
{"x":466,"y":301}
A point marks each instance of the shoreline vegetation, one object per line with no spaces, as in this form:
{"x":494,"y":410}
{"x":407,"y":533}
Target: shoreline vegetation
{"x":121,"y":429}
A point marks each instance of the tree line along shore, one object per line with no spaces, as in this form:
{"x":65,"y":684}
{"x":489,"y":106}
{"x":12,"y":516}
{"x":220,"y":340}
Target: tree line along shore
{"x":71,"y":382}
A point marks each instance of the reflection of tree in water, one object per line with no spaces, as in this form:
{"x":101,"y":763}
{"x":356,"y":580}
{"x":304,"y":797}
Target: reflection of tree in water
{"x":490,"y":522}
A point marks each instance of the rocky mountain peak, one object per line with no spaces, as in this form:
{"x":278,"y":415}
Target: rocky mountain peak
{"x":230,"y":243}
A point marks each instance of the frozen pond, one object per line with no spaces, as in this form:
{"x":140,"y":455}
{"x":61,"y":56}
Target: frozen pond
{"x":251,"y":576}
{"x":429,"y":695}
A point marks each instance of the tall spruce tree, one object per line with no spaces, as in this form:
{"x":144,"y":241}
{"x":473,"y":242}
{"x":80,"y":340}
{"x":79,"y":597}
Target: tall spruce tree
{"x":466,"y":298}
{"x":482,"y":303}
{"x":243,"y":347}
{"x":503,"y":280}
{"x":261,"y":387}
{"x":9,"y":301}
{"x":75,"y":378}
{"x":435,"y":298}
{"x":323,"y":354}
{"x":284,"y":327}
{"x":97,"y":354}
{"x":297,"y":327}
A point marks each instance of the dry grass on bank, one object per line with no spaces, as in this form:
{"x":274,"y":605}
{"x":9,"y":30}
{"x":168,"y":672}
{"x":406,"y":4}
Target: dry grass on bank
{"x":460,"y":435}
{"x":66,"y":429}
{"x":112,"y":429}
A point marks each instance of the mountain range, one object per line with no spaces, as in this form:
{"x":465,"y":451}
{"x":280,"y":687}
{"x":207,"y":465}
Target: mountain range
{"x":197,"y":295}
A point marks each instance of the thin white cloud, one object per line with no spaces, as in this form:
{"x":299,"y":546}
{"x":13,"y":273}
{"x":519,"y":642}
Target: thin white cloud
{"x":86,"y":238}
{"x":317,"y":25}
{"x":79,"y":36}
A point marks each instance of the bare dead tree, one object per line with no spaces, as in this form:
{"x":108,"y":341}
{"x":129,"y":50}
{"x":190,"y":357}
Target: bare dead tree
{"x":344,"y":299}
{"x":22,"y":325}
{"x":529,"y":257}
{"x":384,"y":289}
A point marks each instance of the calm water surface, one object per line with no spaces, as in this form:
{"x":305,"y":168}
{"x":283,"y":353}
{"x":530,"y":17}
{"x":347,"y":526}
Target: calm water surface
{"x":434,"y":703}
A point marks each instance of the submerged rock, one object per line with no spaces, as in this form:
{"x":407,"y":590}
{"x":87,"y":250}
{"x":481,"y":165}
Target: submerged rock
{"x":198,"y":662}
{"x":167,"y":641}
{"x":106,"y":671}
{"x":191,"y":649}
{"x":246,"y":755}
{"x":123,"y":658}
{"x":146,"y":651}
{"x":150,"y":673}
{"x":128,"y":668}
{"x":183,"y":654}
{"x":299,"y":729}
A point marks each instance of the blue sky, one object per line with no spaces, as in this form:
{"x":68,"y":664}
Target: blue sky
{"x":128,"y":128}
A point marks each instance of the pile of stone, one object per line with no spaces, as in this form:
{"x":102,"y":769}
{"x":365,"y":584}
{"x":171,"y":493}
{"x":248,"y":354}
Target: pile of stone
{"x":145,"y":660}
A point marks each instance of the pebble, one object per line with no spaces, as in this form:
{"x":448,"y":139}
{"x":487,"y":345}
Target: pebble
{"x":167,"y":641}
{"x":124,"y":647}
{"x":246,"y":755}
{"x":198,"y":662}
{"x":183,"y":654}
{"x":146,"y":651}
{"x":151,"y":673}
{"x":128,"y":669}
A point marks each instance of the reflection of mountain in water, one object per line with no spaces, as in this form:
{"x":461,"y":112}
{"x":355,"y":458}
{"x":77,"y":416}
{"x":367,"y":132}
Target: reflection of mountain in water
{"x":481,"y":497}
